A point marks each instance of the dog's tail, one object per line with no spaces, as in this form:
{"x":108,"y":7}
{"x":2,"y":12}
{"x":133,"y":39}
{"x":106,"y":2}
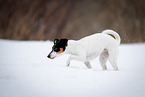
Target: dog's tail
{"x":115,"y":34}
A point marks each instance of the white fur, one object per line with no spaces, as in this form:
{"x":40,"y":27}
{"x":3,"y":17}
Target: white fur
{"x":94,"y":45}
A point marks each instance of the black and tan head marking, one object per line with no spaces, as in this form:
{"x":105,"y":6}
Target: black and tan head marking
{"x":58,"y":47}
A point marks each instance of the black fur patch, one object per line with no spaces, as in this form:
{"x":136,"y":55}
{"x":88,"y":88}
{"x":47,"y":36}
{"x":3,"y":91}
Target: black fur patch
{"x":62,"y":43}
{"x":112,"y":36}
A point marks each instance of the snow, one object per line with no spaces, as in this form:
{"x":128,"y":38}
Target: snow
{"x":25,"y":71}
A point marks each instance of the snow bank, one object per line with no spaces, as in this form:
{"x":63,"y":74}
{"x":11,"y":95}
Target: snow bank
{"x":25,"y":71}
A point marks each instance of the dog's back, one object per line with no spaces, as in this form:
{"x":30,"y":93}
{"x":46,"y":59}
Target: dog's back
{"x":96,"y":43}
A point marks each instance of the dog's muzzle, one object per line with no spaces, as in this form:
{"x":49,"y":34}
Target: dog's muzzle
{"x":51,"y":55}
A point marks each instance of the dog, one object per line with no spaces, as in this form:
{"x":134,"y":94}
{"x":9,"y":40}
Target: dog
{"x":105,"y":45}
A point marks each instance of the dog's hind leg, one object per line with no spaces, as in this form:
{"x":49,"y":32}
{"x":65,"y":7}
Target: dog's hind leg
{"x":113,"y":56}
{"x":87,"y":63}
{"x":103,"y":59}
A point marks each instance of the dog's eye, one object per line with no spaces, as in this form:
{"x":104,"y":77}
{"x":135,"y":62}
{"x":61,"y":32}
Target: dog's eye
{"x":56,"y":49}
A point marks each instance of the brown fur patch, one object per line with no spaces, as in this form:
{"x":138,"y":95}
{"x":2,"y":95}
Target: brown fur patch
{"x":61,"y":51}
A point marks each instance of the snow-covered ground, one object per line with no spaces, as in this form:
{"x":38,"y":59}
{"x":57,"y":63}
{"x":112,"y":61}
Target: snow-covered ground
{"x":25,"y":71}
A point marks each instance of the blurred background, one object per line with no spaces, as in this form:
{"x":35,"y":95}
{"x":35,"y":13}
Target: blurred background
{"x":72,"y":19}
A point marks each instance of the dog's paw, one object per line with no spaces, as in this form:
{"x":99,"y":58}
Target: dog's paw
{"x":68,"y":64}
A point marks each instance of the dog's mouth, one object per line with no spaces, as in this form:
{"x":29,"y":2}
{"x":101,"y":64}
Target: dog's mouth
{"x":52,"y":57}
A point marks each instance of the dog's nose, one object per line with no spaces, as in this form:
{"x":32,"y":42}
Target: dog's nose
{"x":48,"y":56}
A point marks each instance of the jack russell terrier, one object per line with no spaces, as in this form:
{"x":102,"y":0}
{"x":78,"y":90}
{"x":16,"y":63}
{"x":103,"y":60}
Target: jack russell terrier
{"x":105,"y":45}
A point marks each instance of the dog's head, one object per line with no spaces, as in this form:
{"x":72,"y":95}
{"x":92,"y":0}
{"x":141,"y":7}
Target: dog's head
{"x":58,"y":48}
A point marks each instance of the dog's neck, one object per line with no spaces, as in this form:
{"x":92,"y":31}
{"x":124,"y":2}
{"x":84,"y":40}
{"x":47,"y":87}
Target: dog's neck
{"x":70,"y":47}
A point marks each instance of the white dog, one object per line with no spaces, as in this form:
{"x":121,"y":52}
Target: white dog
{"x":104,"y":44}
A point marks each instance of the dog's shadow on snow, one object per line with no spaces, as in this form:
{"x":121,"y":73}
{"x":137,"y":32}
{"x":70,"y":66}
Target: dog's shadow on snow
{"x":84,"y":68}
{"x":73,"y":67}
{"x":93,"y":69}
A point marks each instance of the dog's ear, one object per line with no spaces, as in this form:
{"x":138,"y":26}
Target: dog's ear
{"x":64,"y":41}
{"x":56,"y":40}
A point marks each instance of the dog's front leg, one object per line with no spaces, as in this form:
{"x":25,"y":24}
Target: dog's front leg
{"x":75,"y":57}
{"x":68,"y":61}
